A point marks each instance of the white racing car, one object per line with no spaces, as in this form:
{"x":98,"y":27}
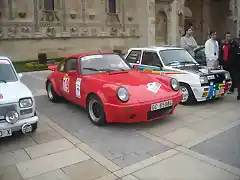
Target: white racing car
{"x":197,"y":82}
{"x":17,"y":105}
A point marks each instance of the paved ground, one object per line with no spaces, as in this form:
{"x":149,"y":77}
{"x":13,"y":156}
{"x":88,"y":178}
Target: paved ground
{"x":197,"y":142}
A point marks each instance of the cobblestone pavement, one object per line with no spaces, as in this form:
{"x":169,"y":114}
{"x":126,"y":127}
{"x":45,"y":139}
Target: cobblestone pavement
{"x":197,"y":142}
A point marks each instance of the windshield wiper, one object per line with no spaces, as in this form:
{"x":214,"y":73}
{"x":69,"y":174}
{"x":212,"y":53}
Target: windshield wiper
{"x":1,"y":80}
{"x":94,"y":69}
{"x":187,"y":62}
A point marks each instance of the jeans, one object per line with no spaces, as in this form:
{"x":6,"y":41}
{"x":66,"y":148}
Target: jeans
{"x":229,"y":68}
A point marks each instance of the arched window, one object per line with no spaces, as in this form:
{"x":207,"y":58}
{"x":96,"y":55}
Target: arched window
{"x":49,"y":4}
{"x":112,"y":6}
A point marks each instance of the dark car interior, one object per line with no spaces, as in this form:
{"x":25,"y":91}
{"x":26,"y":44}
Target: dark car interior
{"x":200,"y":55}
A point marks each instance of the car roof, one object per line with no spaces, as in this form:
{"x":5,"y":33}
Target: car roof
{"x":4,"y":58}
{"x":157,"y":48}
{"x":88,"y":53}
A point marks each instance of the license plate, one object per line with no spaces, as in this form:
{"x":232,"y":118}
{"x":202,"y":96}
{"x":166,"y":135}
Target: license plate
{"x":219,"y":92}
{"x":5,"y":133}
{"x":161,"y":105}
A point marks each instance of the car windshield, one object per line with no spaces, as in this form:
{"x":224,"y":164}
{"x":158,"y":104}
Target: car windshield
{"x":93,"y":64}
{"x":7,"y":73}
{"x":176,"y":57}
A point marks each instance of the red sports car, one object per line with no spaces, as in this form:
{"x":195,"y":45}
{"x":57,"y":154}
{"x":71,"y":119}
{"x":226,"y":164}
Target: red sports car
{"x":111,"y":90}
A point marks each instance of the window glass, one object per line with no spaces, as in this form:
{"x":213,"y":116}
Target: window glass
{"x":7,"y":73}
{"x":61,"y":66}
{"x":176,"y":57}
{"x":99,"y":63}
{"x":71,"y":65}
{"x":112,"y":6}
{"x":151,"y":59}
{"x":134,"y":56}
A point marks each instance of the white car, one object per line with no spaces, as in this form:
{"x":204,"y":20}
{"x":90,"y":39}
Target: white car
{"x":17,"y":105}
{"x":198,"y":83}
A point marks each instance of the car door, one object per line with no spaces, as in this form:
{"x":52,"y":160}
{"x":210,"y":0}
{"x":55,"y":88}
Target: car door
{"x":69,"y":78}
{"x":58,"y":76}
{"x":134,"y":57}
{"x":150,"y":61}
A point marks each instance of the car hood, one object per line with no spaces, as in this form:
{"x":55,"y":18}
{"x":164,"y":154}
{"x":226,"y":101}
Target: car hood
{"x":11,"y":92}
{"x":199,"y":70}
{"x":137,"y":84}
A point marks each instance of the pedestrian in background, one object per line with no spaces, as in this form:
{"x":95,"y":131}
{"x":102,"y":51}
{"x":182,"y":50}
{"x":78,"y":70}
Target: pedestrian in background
{"x":226,"y":57}
{"x":188,"y":42}
{"x":236,"y":64}
{"x":212,"y":51}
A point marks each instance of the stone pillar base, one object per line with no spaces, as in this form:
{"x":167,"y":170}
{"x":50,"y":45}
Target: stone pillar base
{"x":37,"y":35}
{"x":64,"y":34}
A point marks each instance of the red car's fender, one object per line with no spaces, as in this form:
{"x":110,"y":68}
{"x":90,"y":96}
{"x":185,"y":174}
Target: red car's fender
{"x":162,"y":78}
{"x":52,"y":80}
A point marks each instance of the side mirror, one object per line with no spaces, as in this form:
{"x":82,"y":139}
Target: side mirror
{"x":20,"y":75}
{"x":52,"y":68}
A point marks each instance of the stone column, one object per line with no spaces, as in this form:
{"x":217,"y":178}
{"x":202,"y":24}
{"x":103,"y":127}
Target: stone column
{"x":10,"y":9}
{"x":36,"y":26}
{"x":146,"y":19}
{"x":64,"y":32}
{"x":174,"y":31}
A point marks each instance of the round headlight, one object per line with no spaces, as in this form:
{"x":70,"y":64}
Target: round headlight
{"x":175,"y":84}
{"x":122,"y":94}
{"x":12,"y":117}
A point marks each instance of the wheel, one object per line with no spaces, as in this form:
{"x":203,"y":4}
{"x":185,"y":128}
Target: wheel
{"x":34,"y":127}
{"x":52,"y":95}
{"x":188,"y":96}
{"x":95,"y":111}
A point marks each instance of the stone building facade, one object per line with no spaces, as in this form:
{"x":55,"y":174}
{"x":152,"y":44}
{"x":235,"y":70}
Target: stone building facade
{"x":63,"y":27}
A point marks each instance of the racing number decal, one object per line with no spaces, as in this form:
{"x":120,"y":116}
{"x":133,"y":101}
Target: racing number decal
{"x":78,"y":88}
{"x":66,"y":83}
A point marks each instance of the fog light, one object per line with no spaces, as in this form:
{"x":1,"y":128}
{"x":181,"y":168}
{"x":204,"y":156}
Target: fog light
{"x":12,"y":117}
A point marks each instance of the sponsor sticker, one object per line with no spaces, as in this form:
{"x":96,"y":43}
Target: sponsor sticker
{"x":91,"y":57}
{"x":78,"y":87}
{"x":66,"y":83}
{"x":153,"y":87}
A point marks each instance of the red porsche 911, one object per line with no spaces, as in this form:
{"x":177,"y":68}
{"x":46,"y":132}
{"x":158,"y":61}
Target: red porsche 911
{"x":111,"y":90}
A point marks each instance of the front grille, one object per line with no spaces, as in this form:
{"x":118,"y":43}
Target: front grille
{"x":219,"y":78}
{"x":159,"y":113}
{"x":5,"y":108}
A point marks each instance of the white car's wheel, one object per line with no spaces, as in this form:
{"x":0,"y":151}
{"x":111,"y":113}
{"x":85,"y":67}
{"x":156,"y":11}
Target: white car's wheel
{"x":188,"y":96}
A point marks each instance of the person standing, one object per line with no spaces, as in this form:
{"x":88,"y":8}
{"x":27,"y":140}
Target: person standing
{"x":212,"y":51}
{"x":226,"y":57}
{"x":236,"y":64}
{"x":188,"y":42}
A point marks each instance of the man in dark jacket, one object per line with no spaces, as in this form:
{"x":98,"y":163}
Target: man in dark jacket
{"x":226,"y":57}
{"x":236,"y":64}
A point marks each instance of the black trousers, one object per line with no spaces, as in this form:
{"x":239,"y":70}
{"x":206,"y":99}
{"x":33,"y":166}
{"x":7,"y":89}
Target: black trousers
{"x":228,"y":67}
{"x":238,"y":82}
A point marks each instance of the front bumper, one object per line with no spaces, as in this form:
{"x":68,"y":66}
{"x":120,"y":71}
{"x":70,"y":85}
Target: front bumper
{"x":213,"y":91}
{"x":141,"y":112}
{"x":18,"y":125}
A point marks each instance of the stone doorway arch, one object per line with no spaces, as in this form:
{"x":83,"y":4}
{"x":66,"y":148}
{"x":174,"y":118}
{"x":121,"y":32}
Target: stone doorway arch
{"x":161,"y":28}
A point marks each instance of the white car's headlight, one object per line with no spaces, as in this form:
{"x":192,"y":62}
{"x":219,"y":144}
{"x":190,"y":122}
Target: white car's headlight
{"x":12,"y":117}
{"x":227,"y":75}
{"x":203,"y":79}
{"x":123,"y":94}
{"x":25,"y":103}
{"x":175,"y":84}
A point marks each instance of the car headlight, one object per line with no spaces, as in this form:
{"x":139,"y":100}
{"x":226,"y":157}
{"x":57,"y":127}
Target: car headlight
{"x":122,"y":94}
{"x":227,"y":75}
{"x":12,"y":117}
{"x":175,"y":84}
{"x":203,"y":79}
{"x":25,"y":103}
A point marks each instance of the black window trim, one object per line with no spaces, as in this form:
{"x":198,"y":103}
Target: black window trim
{"x":152,"y":51}
{"x":140,"y":55}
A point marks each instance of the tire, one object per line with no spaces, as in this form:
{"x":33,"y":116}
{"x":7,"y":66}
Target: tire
{"x":34,"y":127}
{"x":52,"y":95}
{"x":95,"y":110}
{"x":187,"y":99}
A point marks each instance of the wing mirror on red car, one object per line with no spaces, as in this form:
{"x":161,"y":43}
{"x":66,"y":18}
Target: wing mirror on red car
{"x":52,"y":68}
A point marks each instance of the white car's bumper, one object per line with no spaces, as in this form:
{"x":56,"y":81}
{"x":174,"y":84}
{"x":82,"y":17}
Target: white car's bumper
{"x":204,"y":93}
{"x":18,"y":125}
